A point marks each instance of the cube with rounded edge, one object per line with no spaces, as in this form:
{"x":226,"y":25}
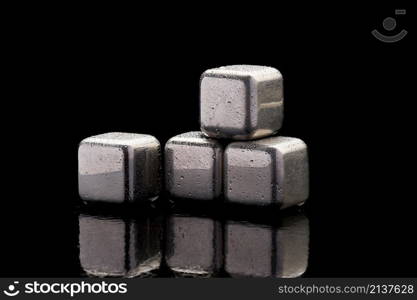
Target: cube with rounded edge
{"x":241,"y":102}
{"x":267,"y":171}
{"x":193,"y":166}
{"x":119,"y":167}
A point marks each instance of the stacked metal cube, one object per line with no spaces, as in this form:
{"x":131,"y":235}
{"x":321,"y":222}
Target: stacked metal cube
{"x":237,"y":154}
{"x":119,"y":167}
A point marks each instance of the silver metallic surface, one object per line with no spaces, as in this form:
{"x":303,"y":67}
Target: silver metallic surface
{"x":119,"y":246}
{"x":267,"y":171}
{"x":262,"y":250}
{"x":194,"y":245}
{"x":241,"y":102}
{"x":193,"y":166}
{"x":118,"y":167}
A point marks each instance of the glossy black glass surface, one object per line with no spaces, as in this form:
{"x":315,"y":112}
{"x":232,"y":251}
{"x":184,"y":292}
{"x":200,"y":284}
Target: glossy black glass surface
{"x":191,"y":238}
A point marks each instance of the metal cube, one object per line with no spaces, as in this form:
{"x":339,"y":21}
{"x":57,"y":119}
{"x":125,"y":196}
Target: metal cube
{"x":120,"y":246}
{"x":267,"y":250}
{"x":241,"y":102}
{"x":194,"y":245}
{"x":119,"y":167}
{"x":267,"y":171}
{"x":193,"y":166}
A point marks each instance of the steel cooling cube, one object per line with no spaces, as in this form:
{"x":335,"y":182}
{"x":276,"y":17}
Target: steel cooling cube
{"x":267,"y":171}
{"x":241,"y":102}
{"x":118,"y":167}
{"x":267,"y":250}
{"x":194,"y":245}
{"x":193,"y":166}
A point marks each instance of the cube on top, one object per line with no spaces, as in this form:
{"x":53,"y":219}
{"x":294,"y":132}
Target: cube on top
{"x":119,"y":167}
{"x":241,"y":102}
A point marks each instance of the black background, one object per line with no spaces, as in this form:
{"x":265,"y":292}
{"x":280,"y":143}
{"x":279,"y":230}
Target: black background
{"x":76,"y":71}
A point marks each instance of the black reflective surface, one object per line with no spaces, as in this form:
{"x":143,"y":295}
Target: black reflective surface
{"x":120,"y":245}
{"x":190,"y":238}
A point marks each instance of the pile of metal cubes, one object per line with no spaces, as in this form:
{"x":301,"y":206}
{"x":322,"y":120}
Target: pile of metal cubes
{"x":237,"y":156}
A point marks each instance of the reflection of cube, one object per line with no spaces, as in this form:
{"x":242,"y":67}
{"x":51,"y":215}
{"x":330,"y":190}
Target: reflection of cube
{"x":119,"y":247}
{"x":267,"y":171}
{"x":256,"y":250}
{"x":241,"y":102}
{"x":193,"y":166}
{"x":194,"y":245}
{"x":118,"y":167}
